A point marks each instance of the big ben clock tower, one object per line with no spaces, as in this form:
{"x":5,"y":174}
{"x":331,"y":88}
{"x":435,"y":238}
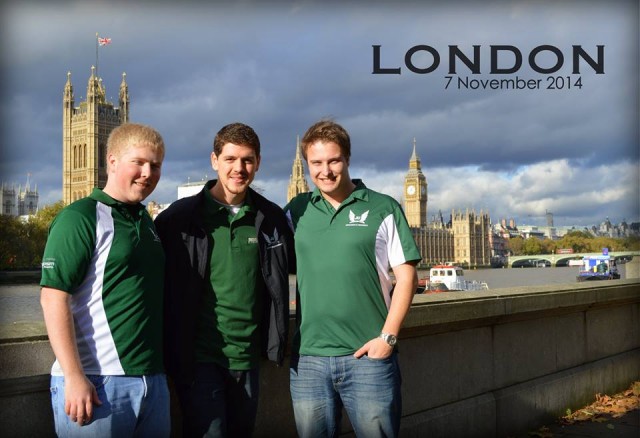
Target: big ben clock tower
{"x":415,"y":193}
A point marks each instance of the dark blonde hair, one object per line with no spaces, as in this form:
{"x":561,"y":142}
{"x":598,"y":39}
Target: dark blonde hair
{"x":134,"y":135}
{"x":327,"y":130}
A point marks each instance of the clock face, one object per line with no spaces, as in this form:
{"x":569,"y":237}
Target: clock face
{"x":424,"y":190}
{"x":411,"y":189}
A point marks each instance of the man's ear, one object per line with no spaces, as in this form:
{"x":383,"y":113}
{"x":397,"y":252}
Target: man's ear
{"x":214,"y":161}
{"x":111,"y":162}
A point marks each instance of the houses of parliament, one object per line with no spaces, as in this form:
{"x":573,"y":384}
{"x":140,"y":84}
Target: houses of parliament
{"x":463,"y":239}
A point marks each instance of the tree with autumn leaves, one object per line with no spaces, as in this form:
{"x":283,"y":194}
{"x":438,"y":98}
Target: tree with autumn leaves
{"x":578,"y":241}
{"x":22,"y":242}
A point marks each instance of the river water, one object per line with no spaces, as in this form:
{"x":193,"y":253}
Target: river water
{"x":21,"y":303}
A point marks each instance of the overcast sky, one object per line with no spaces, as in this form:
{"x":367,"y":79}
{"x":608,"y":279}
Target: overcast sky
{"x":280,"y":66}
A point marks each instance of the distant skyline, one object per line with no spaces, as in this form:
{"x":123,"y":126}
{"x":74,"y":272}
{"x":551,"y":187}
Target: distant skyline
{"x":280,"y":66}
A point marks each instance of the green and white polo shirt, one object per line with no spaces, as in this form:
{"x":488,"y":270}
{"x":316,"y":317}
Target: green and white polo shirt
{"x":343,"y":260}
{"x":107,"y":255}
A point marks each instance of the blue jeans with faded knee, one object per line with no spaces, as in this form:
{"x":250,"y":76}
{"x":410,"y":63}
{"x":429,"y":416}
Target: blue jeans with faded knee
{"x":132,"y":406}
{"x":368,"y":389}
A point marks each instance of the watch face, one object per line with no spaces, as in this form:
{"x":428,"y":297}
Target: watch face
{"x":411,"y":189}
{"x":389,"y":339}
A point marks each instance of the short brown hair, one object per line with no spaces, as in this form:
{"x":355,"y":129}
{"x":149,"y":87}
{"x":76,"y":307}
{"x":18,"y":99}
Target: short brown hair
{"x":134,"y":135}
{"x":327,"y":130}
{"x":236,"y":133}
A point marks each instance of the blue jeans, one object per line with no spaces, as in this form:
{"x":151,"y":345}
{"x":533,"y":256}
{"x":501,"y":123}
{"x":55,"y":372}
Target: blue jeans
{"x":368,"y":389}
{"x":132,"y":406}
{"x":220,"y":402}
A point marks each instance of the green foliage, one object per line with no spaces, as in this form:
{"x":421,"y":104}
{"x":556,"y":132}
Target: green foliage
{"x":531,"y":246}
{"x":579,"y":234}
{"x":579,"y":241}
{"x":45,"y":215}
{"x":22,"y":243}
{"x":516,"y":245}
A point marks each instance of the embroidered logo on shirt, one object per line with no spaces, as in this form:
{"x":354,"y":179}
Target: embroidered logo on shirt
{"x":272,"y":241}
{"x":252,"y":240}
{"x":357,"y":220}
{"x":48,"y":263}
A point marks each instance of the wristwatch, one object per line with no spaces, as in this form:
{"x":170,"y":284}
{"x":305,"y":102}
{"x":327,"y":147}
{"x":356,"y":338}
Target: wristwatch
{"x":389,"y":339}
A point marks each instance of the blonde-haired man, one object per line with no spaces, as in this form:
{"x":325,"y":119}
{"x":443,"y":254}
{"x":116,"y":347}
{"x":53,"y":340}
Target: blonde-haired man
{"x":102,"y":282}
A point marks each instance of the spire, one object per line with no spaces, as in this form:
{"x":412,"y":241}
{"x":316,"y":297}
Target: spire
{"x":67,"y":96}
{"x":92,"y":87}
{"x":414,"y":161}
{"x":298,"y":147}
{"x":414,"y":157}
{"x":124,"y":99}
{"x":297,"y":182}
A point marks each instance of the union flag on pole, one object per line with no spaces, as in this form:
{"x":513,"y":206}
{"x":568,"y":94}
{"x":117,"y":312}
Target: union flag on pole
{"x":104,"y":41}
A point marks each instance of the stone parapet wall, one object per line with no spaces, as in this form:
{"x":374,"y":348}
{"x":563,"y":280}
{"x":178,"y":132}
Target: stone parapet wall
{"x":489,"y":363}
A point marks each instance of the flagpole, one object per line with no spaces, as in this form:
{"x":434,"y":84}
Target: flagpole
{"x":96,"y":54}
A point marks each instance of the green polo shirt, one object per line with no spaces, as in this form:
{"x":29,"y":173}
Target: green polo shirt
{"x":107,"y":255}
{"x":229,"y":318}
{"x":343,"y":260}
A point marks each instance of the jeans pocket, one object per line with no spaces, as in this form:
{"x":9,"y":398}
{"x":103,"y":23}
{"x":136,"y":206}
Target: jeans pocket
{"x":379,"y":359}
{"x":98,"y":381}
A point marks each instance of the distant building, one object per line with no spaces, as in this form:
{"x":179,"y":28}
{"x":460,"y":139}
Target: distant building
{"x":85,"y":130}
{"x":471,"y":237}
{"x":9,"y":200}
{"x":20,"y":202}
{"x":190,"y":188}
{"x":297,"y":181}
{"x":527,"y":232}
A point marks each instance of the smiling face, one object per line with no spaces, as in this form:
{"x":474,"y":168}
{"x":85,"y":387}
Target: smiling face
{"x":133,"y":172}
{"x":329,"y":170}
{"x":236,"y":166}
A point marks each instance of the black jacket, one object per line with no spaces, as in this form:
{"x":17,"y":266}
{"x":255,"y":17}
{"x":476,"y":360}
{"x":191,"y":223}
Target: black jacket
{"x":186,"y":245}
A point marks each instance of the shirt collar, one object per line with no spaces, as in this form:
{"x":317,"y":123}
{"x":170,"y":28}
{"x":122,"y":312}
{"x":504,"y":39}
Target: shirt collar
{"x":133,"y":209}
{"x":360,"y":192}
{"x":213,"y":206}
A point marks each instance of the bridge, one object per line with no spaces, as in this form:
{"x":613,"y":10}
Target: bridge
{"x":557,"y":260}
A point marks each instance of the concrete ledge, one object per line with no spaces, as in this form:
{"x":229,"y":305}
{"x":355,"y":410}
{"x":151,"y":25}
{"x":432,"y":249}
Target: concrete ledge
{"x":530,"y":405}
{"x":501,"y":305}
{"x":29,"y":358}
{"x":25,"y":407}
{"x":488,"y":363}
{"x":477,"y":414}
{"x":526,"y":406}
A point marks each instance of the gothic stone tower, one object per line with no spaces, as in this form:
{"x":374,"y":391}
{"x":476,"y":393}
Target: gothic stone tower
{"x":85,"y":130}
{"x":471,"y":237}
{"x":27,"y":199}
{"x":297,"y":181}
{"x":415,"y":193}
